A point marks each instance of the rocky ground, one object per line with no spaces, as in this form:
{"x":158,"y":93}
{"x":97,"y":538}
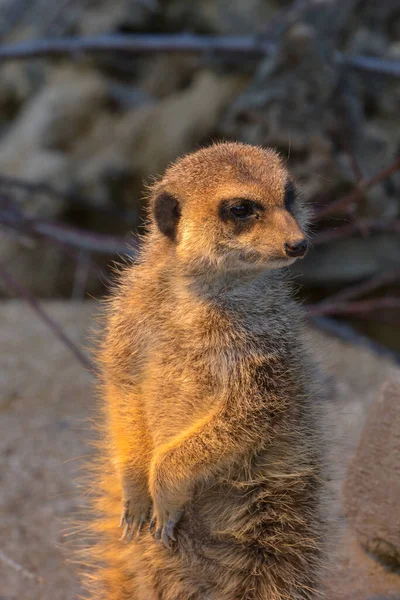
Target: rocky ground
{"x":47,"y":400}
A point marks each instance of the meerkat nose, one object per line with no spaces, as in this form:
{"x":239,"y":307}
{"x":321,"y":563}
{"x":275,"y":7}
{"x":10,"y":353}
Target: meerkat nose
{"x":296,"y":250}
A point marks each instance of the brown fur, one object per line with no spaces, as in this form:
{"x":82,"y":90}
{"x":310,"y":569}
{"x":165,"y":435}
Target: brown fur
{"x":210,"y":398}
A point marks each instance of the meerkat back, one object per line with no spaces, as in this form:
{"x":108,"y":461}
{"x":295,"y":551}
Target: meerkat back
{"x":212,"y":453}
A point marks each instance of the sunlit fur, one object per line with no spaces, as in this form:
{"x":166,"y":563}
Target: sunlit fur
{"x":210,"y":400}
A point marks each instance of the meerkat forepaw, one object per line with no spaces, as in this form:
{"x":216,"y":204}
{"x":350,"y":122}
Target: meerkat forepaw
{"x":133,"y":520}
{"x":164,"y":529}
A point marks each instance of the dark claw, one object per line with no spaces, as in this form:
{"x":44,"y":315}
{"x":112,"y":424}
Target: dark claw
{"x":152,"y":525}
{"x":141,"y":523}
{"x":169,"y":529}
{"x":158,"y":534}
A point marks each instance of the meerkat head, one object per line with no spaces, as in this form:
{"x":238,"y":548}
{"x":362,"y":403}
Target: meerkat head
{"x":230,"y":207}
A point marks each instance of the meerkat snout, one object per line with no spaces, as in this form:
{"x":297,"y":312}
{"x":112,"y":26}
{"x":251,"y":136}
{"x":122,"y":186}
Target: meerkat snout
{"x":297,"y":249}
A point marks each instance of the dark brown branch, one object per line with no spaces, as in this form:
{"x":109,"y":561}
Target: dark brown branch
{"x":362,"y":288}
{"x":30,"y":186}
{"x":21,"y":291}
{"x":41,"y":187}
{"x":83,"y":239}
{"x":140,"y":44}
{"x":12,"y":217}
{"x":358,"y":308}
{"x":371,"y":64}
{"x":361,"y":226}
{"x":358,"y":192}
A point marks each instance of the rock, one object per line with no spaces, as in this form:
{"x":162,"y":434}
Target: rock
{"x":285,"y":107}
{"x":372,"y":484}
{"x":221,"y":16}
{"x":35,"y":147}
{"x":145,"y":140}
{"x":121,"y":15}
{"x":358,"y":576}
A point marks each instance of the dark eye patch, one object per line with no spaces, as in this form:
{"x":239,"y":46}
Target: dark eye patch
{"x":240,"y":210}
{"x":290,"y":196}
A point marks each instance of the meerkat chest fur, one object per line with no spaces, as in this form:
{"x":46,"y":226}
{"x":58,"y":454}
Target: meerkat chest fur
{"x":210,"y":343}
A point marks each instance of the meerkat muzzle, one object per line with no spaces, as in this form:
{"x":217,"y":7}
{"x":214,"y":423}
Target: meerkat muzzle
{"x":297,"y":249}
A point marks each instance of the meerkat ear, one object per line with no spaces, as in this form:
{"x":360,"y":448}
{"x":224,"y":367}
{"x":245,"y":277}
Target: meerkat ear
{"x":167,"y":212}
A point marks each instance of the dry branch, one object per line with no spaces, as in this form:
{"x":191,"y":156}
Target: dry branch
{"x":22,"y":292}
{"x":11,"y":216}
{"x":140,"y":44}
{"x":19,"y":568}
{"x":357,"y":309}
{"x":362,"y":288}
{"x":358,"y":192}
{"x":362,"y":227}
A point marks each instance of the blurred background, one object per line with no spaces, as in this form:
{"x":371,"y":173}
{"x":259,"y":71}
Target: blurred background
{"x":96,"y":98}
{"x":82,"y":132}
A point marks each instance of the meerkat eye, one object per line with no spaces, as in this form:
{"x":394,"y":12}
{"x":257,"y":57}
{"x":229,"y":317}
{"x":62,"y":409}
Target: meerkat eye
{"x":244,"y":210}
{"x":290,"y":196}
{"x":240,"y":210}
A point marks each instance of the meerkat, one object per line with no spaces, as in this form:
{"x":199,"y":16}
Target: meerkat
{"x":214,"y":455}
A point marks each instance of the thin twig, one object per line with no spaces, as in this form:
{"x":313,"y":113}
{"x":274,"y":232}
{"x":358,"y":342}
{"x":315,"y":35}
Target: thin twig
{"x":358,"y":308}
{"x":135,"y":44}
{"x":349,"y":112}
{"x":40,"y":187}
{"x":361,"y":226}
{"x":11,"y":216}
{"x":19,"y":568}
{"x":362,"y":288}
{"x":358,"y":192}
{"x":139,"y":44}
{"x":24,"y":293}
{"x":83,"y":239}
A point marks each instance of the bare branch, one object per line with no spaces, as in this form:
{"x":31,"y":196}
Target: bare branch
{"x":21,"y":291}
{"x":362,"y":226}
{"x":11,"y":216}
{"x":362,"y":288}
{"x":19,"y":568}
{"x":359,"y":308}
{"x":41,"y":187}
{"x":371,"y":64}
{"x":358,"y":192}
{"x":140,"y":44}
{"x":83,"y":239}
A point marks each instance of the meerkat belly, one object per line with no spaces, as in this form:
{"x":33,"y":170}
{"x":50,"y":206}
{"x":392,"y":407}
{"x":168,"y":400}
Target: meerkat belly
{"x":255,"y":523}
{"x":249,"y":500}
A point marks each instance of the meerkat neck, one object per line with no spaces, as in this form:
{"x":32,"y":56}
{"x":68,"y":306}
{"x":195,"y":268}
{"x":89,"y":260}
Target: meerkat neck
{"x":240,"y":287}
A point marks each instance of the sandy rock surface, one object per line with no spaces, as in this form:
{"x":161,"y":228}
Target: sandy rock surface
{"x":46,"y":401}
{"x":372,"y":484}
